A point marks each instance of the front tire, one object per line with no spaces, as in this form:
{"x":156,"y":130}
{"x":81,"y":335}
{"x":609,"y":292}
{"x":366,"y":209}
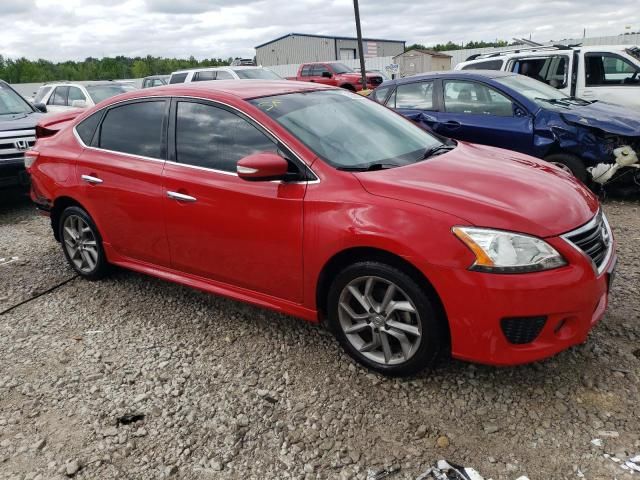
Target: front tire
{"x":384,"y":319}
{"x":82,"y":244}
{"x":570,"y":163}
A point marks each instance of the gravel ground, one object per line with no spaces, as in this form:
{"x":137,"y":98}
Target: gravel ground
{"x":230,"y":391}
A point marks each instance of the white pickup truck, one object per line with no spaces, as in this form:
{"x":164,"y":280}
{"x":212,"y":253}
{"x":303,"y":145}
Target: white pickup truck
{"x":609,"y":73}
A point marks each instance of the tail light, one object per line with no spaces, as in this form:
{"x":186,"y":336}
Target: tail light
{"x":43,"y":132}
{"x":30,"y":157}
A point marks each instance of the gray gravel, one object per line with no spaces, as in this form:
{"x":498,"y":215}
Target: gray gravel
{"x":230,"y":391}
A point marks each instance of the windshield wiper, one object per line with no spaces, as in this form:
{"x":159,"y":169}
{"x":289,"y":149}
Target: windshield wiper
{"x":369,"y":168}
{"x":437,"y":150}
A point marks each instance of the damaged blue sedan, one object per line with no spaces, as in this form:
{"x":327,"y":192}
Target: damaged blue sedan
{"x":596,"y":141}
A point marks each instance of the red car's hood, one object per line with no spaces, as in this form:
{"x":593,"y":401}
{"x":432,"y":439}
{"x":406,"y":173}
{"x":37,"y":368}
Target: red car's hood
{"x":490,"y":187}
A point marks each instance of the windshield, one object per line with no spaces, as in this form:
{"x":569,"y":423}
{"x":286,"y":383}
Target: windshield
{"x":257,"y":73}
{"x":532,"y":89}
{"x":11,"y":103}
{"x":348,"y":131}
{"x":102,"y":92}
{"x":341,"y":68}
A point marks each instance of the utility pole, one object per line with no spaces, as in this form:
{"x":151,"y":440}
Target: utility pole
{"x":363,"y":70}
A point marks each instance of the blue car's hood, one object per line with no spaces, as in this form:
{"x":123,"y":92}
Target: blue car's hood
{"x":20,"y":121}
{"x":608,"y":117}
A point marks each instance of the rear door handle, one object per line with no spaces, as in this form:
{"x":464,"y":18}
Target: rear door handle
{"x":90,"y":179}
{"x":181,"y":197}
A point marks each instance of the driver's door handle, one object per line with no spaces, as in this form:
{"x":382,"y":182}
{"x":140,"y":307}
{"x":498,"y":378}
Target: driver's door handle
{"x":452,"y":124}
{"x":181,"y":197}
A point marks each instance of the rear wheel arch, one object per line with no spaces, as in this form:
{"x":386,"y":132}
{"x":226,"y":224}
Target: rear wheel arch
{"x":348,"y":86}
{"x":59,"y":206}
{"x":348,"y":257}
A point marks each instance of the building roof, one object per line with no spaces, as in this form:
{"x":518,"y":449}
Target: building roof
{"x":433,"y":53}
{"x":332,"y":37}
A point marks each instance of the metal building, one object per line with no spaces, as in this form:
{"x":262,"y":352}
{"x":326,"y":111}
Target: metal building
{"x":302,"y":47}
{"x":421,"y":61}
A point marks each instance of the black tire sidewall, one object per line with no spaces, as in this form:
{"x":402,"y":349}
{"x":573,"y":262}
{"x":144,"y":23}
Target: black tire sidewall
{"x":101,"y":265}
{"x":432,"y":331}
{"x":576,"y":165}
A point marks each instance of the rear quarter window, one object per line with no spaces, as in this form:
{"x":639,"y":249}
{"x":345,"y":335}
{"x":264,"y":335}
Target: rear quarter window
{"x":488,"y":65}
{"x":87,"y":128}
{"x":178,"y":78}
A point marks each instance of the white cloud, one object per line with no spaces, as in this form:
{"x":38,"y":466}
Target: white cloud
{"x":76,"y":29}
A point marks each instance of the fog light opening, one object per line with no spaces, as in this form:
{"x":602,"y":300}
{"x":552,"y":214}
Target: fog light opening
{"x":559,"y":325}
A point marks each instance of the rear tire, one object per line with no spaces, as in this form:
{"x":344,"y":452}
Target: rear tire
{"x":82,"y":244}
{"x":570,"y":163}
{"x":384,"y":320}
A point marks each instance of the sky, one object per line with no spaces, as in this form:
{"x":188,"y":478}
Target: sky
{"x":75,"y":29}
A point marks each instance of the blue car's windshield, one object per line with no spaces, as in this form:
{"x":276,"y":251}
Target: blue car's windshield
{"x":534,"y":90}
{"x":349,"y":131}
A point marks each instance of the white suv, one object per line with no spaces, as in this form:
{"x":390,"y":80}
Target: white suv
{"x":222,"y":73}
{"x":61,"y":96}
{"x":606,"y":72}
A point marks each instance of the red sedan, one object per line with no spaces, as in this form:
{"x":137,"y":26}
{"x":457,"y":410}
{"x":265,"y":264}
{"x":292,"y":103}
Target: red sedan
{"x":319,"y":203}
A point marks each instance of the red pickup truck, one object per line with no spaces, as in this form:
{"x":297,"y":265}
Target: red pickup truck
{"x":337,"y":74}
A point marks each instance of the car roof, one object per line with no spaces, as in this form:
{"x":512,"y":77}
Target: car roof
{"x":212,"y":69}
{"x":88,"y":83}
{"x":242,"y":89}
{"x":467,"y":74}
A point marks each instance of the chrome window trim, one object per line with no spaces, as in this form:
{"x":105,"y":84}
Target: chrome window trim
{"x":598,"y":218}
{"x":75,"y":132}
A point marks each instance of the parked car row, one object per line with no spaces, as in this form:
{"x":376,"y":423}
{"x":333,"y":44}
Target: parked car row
{"x":312,"y":201}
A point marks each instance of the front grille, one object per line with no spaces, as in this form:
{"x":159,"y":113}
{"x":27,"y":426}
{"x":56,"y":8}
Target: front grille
{"x":375,"y":81}
{"x":594,"y":239}
{"x":521,"y":330}
{"x":14,"y":142}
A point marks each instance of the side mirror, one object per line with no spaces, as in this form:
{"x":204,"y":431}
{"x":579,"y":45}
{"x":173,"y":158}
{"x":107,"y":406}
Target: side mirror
{"x":41,"y":107}
{"x":327,"y":75}
{"x":262,"y":167}
{"x":79,"y":104}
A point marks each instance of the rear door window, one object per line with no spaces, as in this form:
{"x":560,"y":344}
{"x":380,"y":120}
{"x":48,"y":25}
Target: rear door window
{"x":306,"y":71}
{"x":212,"y":137}
{"x":134,"y":128}
{"x":475,"y":99}
{"x":75,"y":94}
{"x":551,"y":70}
{"x":417,"y":96}
{"x":178,"y":78}
{"x":318,"y":70}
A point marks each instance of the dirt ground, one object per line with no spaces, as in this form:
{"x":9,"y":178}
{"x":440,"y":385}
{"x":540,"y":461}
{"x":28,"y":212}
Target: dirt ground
{"x":225,"y":390}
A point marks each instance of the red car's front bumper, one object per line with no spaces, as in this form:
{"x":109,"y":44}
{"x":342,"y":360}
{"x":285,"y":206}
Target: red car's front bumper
{"x":572,"y":300}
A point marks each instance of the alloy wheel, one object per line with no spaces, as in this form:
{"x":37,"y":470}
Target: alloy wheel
{"x":80,"y":243}
{"x":379,"y":320}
